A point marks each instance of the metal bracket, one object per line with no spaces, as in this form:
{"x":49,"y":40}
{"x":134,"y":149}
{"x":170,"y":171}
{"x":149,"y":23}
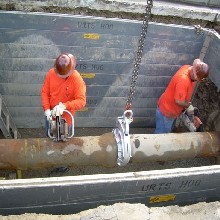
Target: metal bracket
{"x":56,"y":126}
{"x":122,"y":137}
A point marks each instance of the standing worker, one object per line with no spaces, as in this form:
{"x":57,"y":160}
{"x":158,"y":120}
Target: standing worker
{"x":63,"y":89}
{"x":178,"y":94}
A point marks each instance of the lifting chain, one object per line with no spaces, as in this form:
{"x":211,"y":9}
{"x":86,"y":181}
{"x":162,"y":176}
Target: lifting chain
{"x":139,"y":53}
{"x":121,"y":132}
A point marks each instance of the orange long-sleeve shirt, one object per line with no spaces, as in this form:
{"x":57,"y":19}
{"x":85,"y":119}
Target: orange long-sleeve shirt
{"x":71,"y":91}
{"x":180,"y":88}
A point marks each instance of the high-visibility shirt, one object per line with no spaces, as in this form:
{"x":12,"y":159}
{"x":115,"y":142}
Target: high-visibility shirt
{"x":71,"y":91}
{"x":180,"y":88}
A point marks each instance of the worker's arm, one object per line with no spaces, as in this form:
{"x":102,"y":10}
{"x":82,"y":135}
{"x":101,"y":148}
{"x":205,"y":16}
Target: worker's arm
{"x":181,"y":93}
{"x":183,"y":103}
{"x":79,"y":97}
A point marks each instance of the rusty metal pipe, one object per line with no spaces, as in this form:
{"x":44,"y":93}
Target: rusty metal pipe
{"x":101,"y":150}
{"x":174,"y":146}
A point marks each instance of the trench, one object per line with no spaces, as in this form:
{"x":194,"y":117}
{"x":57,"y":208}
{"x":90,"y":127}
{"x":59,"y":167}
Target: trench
{"x":207,"y":99}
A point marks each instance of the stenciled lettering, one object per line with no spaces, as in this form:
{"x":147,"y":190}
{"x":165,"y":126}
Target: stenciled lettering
{"x":86,"y":25}
{"x":91,"y":101}
{"x":97,"y":67}
{"x":156,"y":187}
{"x":81,"y":66}
{"x":106,"y":26}
{"x":190,"y":183}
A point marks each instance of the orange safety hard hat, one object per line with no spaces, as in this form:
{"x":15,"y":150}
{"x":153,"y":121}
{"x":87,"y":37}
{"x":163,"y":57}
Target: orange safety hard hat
{"x":200,"y":70}
{"x":73,"y":58}
{"x":64,"y":65}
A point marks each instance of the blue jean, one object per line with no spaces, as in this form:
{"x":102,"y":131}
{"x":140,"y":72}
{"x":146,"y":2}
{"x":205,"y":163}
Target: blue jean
{"x":163,"y":123}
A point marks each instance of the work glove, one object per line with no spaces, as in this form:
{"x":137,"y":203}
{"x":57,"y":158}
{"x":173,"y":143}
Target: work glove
{"x":47,"y":113}
{"x":190,"y":110}
{"x":58,"y":109}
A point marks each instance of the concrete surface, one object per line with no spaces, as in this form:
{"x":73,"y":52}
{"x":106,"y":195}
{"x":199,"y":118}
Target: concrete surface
{"x":161,"y":8}
{"x":208,"y":3}
{"x":121,"y":211}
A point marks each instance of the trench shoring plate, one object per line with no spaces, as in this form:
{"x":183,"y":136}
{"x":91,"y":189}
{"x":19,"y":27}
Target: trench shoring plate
{"x":65,"y":195}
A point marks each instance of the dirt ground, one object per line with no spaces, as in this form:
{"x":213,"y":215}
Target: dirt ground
{"x":121,"y":211}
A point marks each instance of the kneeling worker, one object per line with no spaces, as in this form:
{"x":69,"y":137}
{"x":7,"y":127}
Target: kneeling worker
{"x":178,"y":94}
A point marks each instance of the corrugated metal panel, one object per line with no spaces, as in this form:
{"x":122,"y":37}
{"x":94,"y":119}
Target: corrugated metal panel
{"x":29,"y":43}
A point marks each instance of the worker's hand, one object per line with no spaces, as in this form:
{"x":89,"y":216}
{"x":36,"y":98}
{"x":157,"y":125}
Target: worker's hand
{"x":190,"y":109}
{"x":197,"y":122}
{"x":58,"y":109}
{"x":47,"y":113}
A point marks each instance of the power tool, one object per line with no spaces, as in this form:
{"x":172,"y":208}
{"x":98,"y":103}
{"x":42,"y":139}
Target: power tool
{"x":189,"y":121}
{"x":58,"y":129}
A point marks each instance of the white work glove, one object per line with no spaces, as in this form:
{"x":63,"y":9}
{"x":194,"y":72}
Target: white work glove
{"x":58,"y":109}
{"x":190,"y":109}
{"x":47,"y":113}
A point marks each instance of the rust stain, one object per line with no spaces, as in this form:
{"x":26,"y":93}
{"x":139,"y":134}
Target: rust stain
{"x":61,"y":145}
{"x":77,"y":141}
{"x":107,"y":139}
{"x":211,"y":145}
{"x":107,"y":156}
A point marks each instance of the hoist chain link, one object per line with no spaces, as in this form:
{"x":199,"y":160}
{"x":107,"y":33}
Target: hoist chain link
{"x":139,"y":54}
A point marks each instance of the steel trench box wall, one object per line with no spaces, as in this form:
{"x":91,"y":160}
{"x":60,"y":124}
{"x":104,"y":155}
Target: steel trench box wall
{"x":105,"y":49}
{"x":65,"y":195}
